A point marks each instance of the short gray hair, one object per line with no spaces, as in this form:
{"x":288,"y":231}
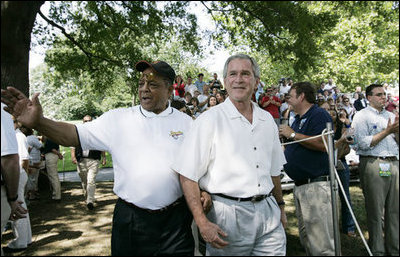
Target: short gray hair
{"x":254,"y":65}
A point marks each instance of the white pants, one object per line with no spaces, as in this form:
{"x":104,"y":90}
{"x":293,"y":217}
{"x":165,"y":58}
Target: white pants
{"x":52,"y":173}
{"x":254,"y":229}
{"x":21,"y":227}
{"x":87,"y":170}
{"x":5,"y":211}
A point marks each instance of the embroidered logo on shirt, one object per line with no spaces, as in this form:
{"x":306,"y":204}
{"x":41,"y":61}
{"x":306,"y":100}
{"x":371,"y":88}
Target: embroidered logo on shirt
{"x":176,"y":135}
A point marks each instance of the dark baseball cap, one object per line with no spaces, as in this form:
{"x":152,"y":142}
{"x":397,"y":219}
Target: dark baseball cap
{"x":161,"y":67}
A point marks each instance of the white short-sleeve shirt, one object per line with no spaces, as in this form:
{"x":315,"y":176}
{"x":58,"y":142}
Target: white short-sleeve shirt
{"x":143,"y":146}
{"x":9,"y":143}
{"x":22,"y":145}
{"x":227,"y":154}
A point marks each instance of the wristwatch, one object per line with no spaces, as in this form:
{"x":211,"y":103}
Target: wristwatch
{"x":292,"y":136}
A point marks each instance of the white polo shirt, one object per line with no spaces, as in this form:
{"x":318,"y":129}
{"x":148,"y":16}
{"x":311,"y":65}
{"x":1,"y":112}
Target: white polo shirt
{"x":226,"y":154}
{"x":143,"y":145}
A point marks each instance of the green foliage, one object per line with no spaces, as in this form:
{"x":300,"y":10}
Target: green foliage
{"x":363,"y":48}
{"x":355,"y":43}
{"x":91,"y":63}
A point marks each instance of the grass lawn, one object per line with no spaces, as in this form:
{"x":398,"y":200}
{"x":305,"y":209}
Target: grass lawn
{"x":67,"y":165}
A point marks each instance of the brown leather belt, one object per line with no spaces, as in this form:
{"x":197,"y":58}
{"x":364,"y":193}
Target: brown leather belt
{"x":312,"y":180}
{"x":164,"y":209}
{"x":384,"y":158}
{"x":253,"y":199}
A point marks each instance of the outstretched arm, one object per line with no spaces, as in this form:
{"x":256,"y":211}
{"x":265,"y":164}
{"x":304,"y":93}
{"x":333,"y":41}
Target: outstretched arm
{"x":30,"y":114}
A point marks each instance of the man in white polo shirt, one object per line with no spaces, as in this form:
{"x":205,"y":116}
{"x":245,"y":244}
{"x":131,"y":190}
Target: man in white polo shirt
{"x":233,"y":152}
{"x":151,"y":216}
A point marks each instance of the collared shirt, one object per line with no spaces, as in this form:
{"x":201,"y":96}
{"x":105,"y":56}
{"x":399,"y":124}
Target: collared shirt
{"x":143,"y":145}
{"x":304,"y":163}
{"x":369,"y":122}
{"x":227,"y":154}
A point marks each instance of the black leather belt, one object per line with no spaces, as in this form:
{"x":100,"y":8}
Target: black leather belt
{"x":166,"y":208}
{"x":312,"y":180}
{"x":385,"y":158}
{"x":253,"y":199}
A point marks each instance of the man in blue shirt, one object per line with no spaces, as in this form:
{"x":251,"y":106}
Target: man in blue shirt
{"x":200,"y":83}
{"x":308,"y":165}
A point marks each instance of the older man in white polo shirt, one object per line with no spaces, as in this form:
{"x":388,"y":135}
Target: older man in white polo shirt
{"x":151,"y":216}
{"x":233,"y":152}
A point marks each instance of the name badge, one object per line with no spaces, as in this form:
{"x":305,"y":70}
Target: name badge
{"x":384,"y":170}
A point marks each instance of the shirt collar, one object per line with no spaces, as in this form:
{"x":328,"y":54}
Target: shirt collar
{"x":148,"y":114}
{"x":234,"y":113}
{"x":307,"y":112}
{"x":375,"y":110}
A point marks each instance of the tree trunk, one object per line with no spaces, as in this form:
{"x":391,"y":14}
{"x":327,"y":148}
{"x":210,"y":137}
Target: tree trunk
{"x":17,"y":20}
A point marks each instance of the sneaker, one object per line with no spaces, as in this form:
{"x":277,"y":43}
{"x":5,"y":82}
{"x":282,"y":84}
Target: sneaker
{"x":90,"y":206}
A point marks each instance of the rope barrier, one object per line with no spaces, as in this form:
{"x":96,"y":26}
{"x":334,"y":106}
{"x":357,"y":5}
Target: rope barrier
{"x":323,"y":134}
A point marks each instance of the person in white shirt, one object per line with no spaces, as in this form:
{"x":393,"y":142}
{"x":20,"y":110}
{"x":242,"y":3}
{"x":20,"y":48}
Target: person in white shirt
{"x":283,"y":87}
{"x":11,"y":207}
{"x":233,"y":152}
{"x":35,"y":163}
{"x":151,"y":216}
{"x":189,"y":86}
{"x":377,"y":137}
{"x":21,"y":227}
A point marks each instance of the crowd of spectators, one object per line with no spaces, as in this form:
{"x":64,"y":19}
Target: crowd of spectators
{"x":194,"y":98}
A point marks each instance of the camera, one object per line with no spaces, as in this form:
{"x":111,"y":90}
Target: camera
{"x":350,"y":138}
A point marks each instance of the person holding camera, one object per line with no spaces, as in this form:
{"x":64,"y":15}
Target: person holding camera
{"x":308,"y":165}
{"x":343,"y":139}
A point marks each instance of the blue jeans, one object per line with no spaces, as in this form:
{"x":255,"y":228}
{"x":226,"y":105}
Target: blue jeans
{"x":347,"y":221}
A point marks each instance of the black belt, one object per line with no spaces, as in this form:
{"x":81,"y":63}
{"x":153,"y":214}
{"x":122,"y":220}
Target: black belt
{"x":164,"y":209}
{"x":253,"y":199}
{"x":312,"y":180}
{"x":385,"y":158}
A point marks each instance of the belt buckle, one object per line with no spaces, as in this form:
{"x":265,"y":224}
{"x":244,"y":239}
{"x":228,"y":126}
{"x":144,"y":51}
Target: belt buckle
{"x":257,"y":198}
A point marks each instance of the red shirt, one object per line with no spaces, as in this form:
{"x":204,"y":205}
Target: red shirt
{"x":271,"y":108}
{"x":179,"y":90}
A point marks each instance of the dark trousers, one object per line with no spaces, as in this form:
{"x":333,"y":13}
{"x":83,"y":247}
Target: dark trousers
{"x":347,"y":221}
{"x":138,"y":232}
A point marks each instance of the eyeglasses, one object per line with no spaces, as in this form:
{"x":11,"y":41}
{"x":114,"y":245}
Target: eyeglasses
{"x":86,"y":120}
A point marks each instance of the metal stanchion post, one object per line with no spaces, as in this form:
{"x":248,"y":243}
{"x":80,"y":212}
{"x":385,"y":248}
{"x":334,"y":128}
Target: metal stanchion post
{"x":334,"y":190}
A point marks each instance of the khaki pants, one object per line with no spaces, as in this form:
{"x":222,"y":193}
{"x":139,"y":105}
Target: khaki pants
{"x":254,"y":229}
{"x":52,"y":173}
{"x":382,"y":205}
{"x":314,"y":214}
{"x":87,"y":170}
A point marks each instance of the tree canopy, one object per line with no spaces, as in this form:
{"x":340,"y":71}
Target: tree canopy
{"x":94,"y":45}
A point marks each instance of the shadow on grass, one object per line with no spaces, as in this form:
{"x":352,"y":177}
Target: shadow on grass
{"x":68,"y":227}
